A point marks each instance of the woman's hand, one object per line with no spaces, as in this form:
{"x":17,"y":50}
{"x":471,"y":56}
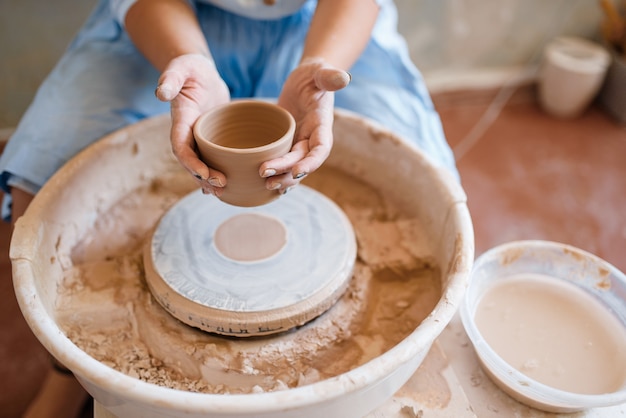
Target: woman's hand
{"x":193,"y":86}
{"x":308,"y":94}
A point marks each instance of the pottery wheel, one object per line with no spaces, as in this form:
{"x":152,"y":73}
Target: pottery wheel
{"x":250,"y":271}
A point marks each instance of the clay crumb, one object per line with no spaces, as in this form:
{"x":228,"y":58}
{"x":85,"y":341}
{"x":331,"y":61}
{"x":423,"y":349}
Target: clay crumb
{"x":411,"y":412}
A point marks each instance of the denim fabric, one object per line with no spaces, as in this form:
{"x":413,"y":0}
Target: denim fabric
{"x":102,"y":83}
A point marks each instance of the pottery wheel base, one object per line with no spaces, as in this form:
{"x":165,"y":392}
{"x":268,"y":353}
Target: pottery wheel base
{"x":250,"y":271}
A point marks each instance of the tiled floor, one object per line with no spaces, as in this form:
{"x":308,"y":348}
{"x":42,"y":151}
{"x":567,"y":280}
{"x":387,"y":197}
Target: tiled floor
{"x":529,"y":176}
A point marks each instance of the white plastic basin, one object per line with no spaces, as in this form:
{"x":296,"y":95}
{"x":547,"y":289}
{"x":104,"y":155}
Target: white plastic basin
{"x":135,"y":156}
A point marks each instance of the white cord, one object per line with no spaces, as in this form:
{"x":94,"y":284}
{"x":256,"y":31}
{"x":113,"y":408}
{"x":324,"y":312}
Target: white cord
{"x":486,"y":120}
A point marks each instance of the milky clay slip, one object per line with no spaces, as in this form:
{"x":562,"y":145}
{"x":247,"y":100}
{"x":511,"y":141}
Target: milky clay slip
{"x":554,"y":332}
{"x":106,"y":309}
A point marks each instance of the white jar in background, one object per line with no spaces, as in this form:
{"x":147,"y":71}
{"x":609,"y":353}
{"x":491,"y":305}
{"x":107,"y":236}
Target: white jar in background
{"x":572,"y":73}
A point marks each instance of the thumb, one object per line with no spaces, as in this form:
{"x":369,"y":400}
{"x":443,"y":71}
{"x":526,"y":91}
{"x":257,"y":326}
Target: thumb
{"x":331,"y":79}
{"x":170,"y":84}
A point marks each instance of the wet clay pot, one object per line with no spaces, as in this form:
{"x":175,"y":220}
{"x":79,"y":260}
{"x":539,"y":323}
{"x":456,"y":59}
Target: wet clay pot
{"x":236,"y":139}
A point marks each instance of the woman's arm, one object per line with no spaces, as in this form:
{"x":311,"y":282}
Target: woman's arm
{"x":168,"y":34}
{"x":165,"y":29}
{"x":339,"y":31}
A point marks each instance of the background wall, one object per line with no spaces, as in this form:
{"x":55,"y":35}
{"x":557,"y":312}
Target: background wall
{"x":465,"y":43}
{"x":454,"y":42}
{"x":469,"y":34}
{"x":33,"y":35}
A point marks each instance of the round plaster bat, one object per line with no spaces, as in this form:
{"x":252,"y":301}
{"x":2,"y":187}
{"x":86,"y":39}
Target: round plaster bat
{"x":250,"y":271}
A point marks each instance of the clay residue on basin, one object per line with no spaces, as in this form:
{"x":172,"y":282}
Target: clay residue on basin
{"x":105,"y":308}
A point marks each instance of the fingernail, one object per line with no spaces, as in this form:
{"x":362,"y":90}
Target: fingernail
{"x":275,"y":186}
{"x":206,"y":191}
{"x":300,"y":175}
{"x":269,"y":172}
{"x":215,"y":182}
{"x":166,"y":91}
{"x":198,"y":176}
{"x":287,"y":189}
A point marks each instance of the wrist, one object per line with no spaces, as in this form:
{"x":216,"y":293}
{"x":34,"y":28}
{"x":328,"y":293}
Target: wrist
{"x":312,"y":60}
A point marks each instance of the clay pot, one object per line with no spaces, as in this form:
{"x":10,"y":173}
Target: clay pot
{"x":236,"y":139}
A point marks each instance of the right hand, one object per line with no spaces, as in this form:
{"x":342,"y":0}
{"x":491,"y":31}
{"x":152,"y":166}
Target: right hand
{"x":193,"y":86}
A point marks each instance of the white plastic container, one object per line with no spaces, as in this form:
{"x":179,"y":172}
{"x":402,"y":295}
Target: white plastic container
{"x":562,"y":263}
{"x":572,"y":73}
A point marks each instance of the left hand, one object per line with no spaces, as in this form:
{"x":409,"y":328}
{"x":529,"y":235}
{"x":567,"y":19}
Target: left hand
{"x":308,"y":94}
